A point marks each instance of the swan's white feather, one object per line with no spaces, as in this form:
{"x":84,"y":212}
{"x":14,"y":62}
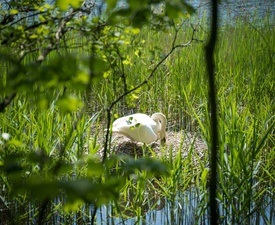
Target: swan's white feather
{"x":138,"y":127}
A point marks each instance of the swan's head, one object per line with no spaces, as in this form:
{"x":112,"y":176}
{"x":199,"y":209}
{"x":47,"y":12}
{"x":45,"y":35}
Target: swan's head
{"x":162,"y":121}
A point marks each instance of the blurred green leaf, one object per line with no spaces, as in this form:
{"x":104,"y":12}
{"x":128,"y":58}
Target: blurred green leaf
{"x":13,"y":11}
{"x":38,"y":157}
{"x":136,"y":5}
{"x":82,"y":78}
{"x":111,"y":4}
{"x":176,"y":10}
{"x":34,"y":77}
{"x":69,"y":103}
{"x":65,"y":4}
{"x":97,"y":65}
{"x":95,"y":169}
{"x":73,"y":206}
{"x":140,"y":17}
{"x":189,"y":8}
{"x":61,"y":69}
{"x":10,"y":164}
{"x":42,"y":188}
{"x":92,"y":192}
{"x":173,"y":11}
{"x":153,"y":166}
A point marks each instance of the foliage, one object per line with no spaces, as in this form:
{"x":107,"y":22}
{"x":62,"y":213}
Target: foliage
{"x":43,"y":154}
{"x":64,"y":65}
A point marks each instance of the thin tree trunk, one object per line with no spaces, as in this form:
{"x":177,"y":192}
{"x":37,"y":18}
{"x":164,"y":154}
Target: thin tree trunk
{"x":209,"y":54}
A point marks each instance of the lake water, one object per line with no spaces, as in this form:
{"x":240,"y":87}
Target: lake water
{"x":186,"y":209}
{"x":229,"y":9}
{"x":232,"y":9}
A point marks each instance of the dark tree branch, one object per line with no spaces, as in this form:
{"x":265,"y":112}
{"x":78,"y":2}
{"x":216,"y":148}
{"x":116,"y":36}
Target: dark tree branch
{"x":122,"y":69}
{"x":7,"y":22}
{"x":6,"y":102}
{"x":209,"y":55}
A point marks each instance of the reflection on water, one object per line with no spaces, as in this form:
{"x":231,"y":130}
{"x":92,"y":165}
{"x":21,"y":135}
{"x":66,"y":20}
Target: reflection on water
{"x":190,"y":208}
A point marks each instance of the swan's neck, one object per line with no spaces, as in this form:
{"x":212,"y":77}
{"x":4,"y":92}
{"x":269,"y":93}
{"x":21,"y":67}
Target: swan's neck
{"x":160,"y":117}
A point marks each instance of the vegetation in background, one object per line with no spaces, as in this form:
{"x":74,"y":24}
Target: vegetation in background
{"x":63,"y":66}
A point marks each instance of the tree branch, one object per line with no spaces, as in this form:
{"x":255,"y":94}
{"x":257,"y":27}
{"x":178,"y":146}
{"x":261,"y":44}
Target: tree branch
{"x":6,"y":102}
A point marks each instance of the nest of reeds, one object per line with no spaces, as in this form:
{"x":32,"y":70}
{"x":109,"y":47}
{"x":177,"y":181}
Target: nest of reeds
{"x":176,"y":143}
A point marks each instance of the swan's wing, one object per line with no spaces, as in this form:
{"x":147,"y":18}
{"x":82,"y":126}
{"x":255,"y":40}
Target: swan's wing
{"x":138,"y":127}
{"x":131,"y":121}
{"x":144,"y":134}
{"x":124,"y":123}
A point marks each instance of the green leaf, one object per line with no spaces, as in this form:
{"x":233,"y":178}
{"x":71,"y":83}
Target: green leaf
{"x":204,"y":176}
{"x":135,"y":5}
{"x":76,"y":3}
{"x":189,"y":8}
{"x":173,"y":11}
{"x":42,"y":103}
{"x":153,"y":166}
{"x":91,"y":192}
{"x":111,"y":4}
{"x":140,"y":17}
{"x":13,"y":11}
{"x":41,"y":188}
{"x":98,"y":66}
{"x":69,"y":103}
{"x":34,"y":77}
{"x":73,"y":206}
{"x":95,"y":169}
{"x":10,"y":163}
{"x":65,"y":4}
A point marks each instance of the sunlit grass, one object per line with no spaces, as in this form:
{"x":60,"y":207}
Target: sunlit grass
{"x":245,"y":91}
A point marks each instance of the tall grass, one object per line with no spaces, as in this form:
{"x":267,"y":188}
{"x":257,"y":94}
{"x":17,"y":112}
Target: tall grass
{"x":245,"y":91}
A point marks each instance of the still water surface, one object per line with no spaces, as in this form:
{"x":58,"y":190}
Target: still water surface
{"x":186,"y":210}
{"x":232,"y":9}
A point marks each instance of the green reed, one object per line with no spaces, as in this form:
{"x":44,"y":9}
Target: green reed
{"x":245,"y":91}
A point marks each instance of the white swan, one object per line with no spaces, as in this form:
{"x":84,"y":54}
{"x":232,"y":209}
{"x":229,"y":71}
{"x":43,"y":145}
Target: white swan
{"x":141,"y":127}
